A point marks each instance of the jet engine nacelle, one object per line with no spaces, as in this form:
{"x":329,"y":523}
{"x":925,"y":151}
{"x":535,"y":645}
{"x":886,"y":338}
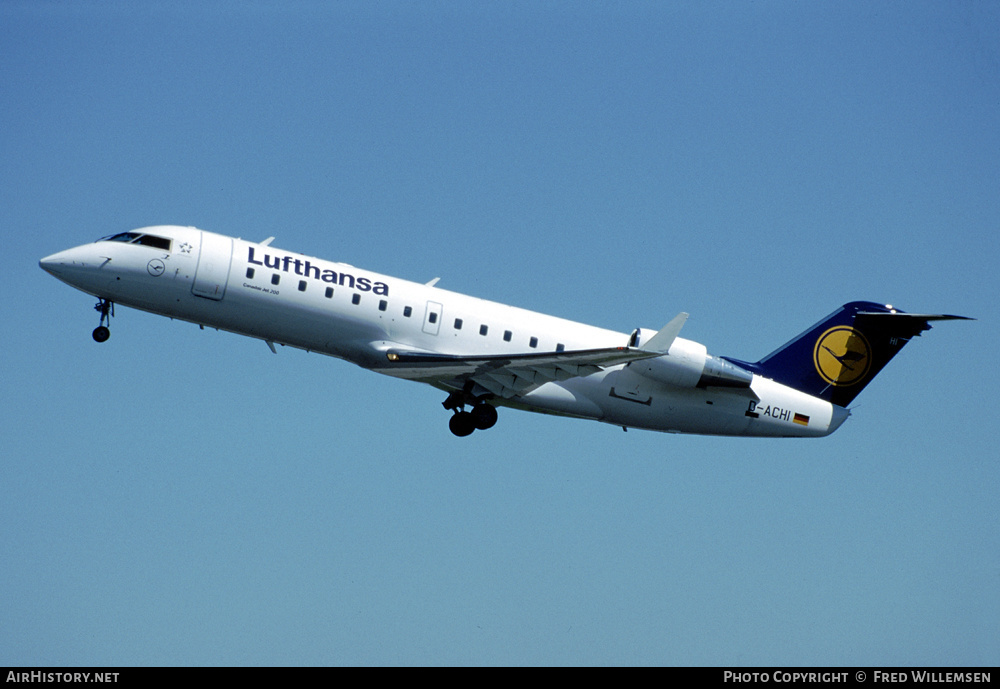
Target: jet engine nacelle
{"x":688,"y":364}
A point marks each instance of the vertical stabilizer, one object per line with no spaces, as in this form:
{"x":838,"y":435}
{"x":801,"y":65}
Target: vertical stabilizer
{"x":836,"y":358}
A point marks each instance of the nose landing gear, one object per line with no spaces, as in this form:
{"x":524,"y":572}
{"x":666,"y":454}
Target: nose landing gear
{"x":107,"y":310}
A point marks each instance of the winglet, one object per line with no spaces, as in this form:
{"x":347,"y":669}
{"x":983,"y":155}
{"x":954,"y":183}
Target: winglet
{"x":661,"y":341}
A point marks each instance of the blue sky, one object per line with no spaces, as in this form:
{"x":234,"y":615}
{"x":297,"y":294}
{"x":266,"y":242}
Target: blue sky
{"x":177,"y":496}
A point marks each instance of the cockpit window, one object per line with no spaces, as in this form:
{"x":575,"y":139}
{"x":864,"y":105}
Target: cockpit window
{"x":139,"y":238}
{"x":154,"y":241}
{"x":122,"y":237}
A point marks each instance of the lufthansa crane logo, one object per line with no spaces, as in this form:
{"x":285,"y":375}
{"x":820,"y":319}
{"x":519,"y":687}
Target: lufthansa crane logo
{"x":842,"y":356}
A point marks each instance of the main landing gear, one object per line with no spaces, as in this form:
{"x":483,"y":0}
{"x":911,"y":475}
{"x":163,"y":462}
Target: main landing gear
{"x":107,"y":310}
{"x":463,"y":423}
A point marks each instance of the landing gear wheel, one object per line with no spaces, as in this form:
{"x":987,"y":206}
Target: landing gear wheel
{"x":462,"y":424}
{"x":107,"y":309}
{"x":484,"y":416}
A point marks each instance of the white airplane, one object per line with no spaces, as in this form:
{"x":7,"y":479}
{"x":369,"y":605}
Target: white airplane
{"x":484,"y":354}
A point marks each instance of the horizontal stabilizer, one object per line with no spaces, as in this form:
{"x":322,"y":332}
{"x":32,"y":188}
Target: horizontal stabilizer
{"x":897,"y":315}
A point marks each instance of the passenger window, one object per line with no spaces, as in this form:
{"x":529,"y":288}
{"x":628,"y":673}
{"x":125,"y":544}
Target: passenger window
{"x":560,"y":348}
{"x":507,"y":335}
{"x":249,"y":273}
{"x":432,"y":317}
{"x":275,"y":279}
{"x":483,"y":329}
{"x":356,"y":299}
{"x":329,"y":292}
{"x":382,"y":305}
{"x":407,"y":311}
{"x":458,"y":324}
{"x":302,"y":285}
{"x":533,"y":342}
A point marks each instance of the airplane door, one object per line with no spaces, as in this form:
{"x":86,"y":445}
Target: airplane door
{"x":432,"y":318}
{"x":212,"y":274}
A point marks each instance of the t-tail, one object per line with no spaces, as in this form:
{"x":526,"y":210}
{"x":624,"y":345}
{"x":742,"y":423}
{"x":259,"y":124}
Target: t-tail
{"x":836,"y":358}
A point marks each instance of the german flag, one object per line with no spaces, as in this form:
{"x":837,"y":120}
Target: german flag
{"x":801,"y":419}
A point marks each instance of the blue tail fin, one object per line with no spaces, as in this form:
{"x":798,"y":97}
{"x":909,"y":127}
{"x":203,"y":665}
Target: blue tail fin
{"x":836,"y":358}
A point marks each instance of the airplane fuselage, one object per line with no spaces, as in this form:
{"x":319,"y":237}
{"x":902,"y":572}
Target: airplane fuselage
{"x":286,"y":298}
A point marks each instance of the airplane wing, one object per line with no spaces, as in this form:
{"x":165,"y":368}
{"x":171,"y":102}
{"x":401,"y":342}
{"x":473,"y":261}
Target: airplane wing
{"x":507,"y":375}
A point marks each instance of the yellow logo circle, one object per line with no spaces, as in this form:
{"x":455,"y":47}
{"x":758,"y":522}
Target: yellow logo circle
{"x":842,"y":356}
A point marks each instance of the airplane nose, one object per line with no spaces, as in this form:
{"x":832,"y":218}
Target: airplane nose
{"x":53,"y":264}
{"x":69,"y":263}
